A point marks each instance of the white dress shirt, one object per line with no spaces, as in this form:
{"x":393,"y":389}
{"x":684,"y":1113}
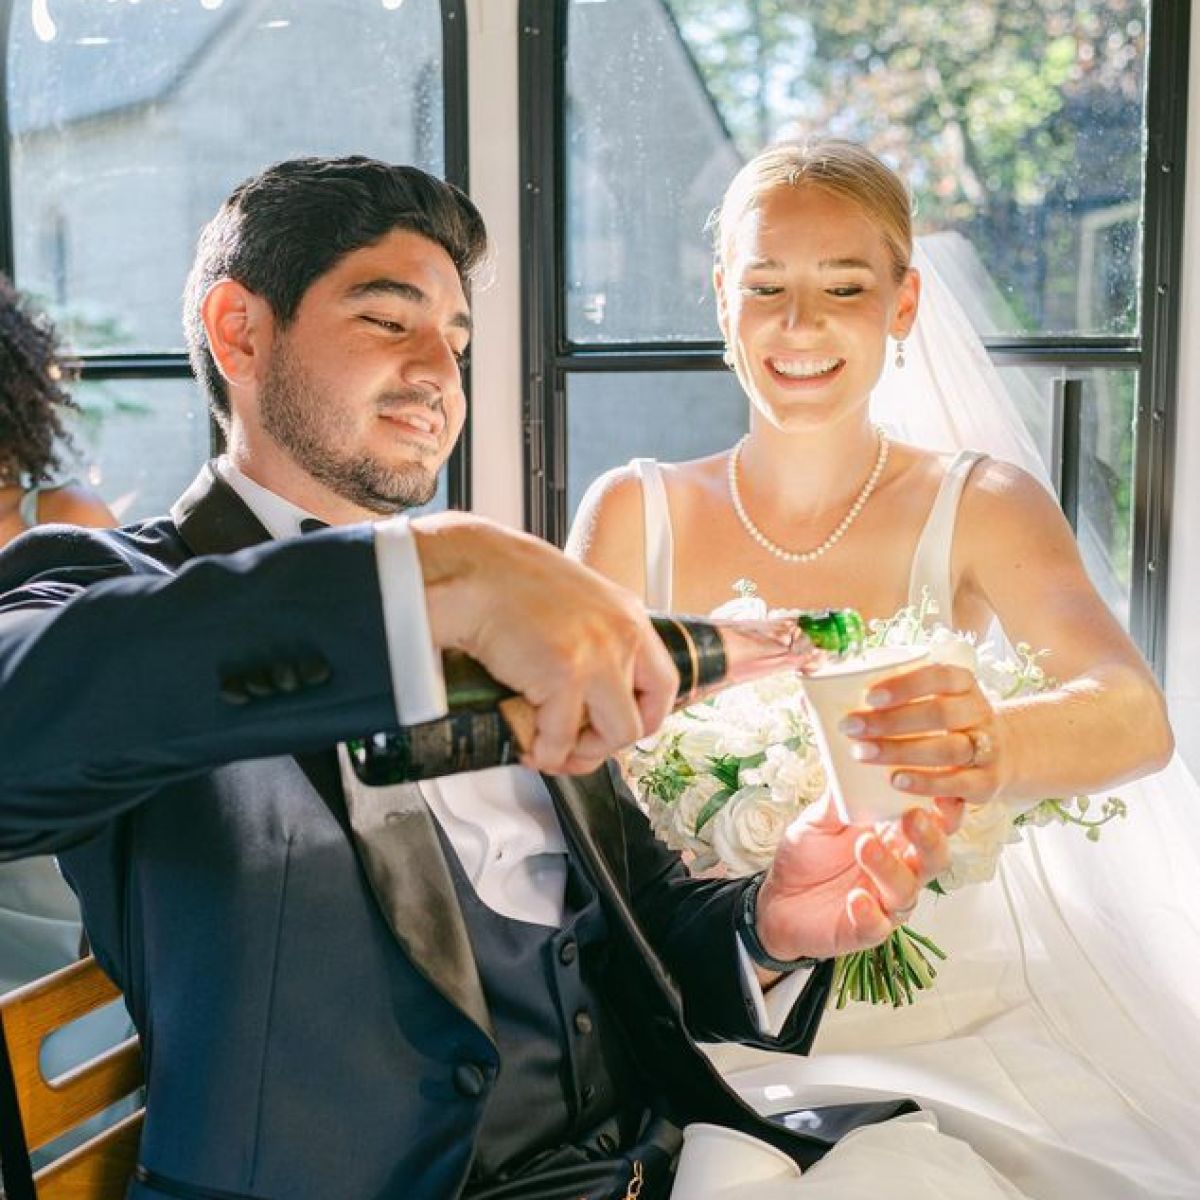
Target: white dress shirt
{"x":501,"y":822}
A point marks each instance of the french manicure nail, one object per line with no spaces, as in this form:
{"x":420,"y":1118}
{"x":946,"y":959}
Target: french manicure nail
{"x":864,"y":751}
{"x":852,"y":725}
{"x":878,"y":697}
{"x":902,"y":780}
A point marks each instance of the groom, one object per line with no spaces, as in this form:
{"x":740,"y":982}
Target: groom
{"x":486,"y":986}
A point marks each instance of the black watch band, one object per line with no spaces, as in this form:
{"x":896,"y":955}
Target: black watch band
{"x":748,"y":932}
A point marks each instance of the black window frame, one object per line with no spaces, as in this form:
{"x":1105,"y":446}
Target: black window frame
{"x":549,"y":356}
{"x":174,"y":365}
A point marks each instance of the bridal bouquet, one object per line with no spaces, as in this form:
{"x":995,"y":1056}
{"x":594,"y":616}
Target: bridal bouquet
{"x":723,"y":779}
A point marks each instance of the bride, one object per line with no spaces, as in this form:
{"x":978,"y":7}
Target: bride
{"x":1061,"y":1037}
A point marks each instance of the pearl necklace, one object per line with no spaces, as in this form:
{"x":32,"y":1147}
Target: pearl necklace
{"x":836,"y":536}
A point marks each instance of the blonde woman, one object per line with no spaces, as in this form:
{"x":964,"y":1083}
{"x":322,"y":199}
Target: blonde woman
{"x":1028,"y":1038}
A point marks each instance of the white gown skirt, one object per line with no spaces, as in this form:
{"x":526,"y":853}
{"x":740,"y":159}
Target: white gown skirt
{"x":1061,"y":1041}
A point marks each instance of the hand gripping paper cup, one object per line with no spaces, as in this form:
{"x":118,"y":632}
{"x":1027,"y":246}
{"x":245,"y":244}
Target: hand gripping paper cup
{"x":862,"y":791}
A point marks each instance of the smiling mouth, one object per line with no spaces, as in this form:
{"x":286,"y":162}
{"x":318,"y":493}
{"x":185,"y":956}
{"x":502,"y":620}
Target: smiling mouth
{"x":419,"y":424}
{"x":813,"y":369}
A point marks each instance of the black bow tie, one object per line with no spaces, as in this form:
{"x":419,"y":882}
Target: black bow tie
{"x":311,"y":525}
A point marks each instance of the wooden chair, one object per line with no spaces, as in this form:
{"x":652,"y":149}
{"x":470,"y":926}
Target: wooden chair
{"x":34,"y":1111}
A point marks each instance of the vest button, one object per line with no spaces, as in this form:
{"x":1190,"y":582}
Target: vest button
{"x":568,"y":952}
{"x":583,"y":1021}
{"x":469,"y":1080}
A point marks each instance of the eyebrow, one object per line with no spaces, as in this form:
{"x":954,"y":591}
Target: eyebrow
{"x":403,"y":290}
{"x":835,"y":264}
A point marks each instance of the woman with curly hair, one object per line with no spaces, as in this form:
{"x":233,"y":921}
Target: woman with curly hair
{"x":39,"y":916}
{"x":33,"y":404}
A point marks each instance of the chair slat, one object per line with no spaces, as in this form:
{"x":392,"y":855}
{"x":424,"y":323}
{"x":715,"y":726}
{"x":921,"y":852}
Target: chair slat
{"x":50,"y":1109}
{"x":102,"y":1166}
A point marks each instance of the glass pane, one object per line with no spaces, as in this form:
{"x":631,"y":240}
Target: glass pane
{"x":668,"y":415}
{"x":131,"y":122}
{"x":1106,"y":461}
{"x":140,"y":442}
{"x":1018,"y":126}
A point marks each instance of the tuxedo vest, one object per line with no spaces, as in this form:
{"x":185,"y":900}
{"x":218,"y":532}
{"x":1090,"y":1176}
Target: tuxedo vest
{"x":566,"y":1074}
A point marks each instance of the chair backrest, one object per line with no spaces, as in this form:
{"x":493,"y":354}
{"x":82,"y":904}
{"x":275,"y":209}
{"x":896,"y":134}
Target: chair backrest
{"x":45,"y":1109}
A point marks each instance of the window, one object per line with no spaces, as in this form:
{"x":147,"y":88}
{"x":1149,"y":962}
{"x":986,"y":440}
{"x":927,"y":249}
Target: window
{"x":1039,"y":142}
{"x":128,"y":123}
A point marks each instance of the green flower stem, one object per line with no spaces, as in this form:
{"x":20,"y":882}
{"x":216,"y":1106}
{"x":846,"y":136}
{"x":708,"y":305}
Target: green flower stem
{"x":890,"y":973}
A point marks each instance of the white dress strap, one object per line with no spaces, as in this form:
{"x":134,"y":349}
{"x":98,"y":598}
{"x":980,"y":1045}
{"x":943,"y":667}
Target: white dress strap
{"x":660,"y":546}
{"x":931,"y":563}
{"x":27,"y":508}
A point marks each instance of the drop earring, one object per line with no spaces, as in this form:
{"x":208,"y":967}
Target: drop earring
{"x":900,"y":355}
{"x":727,"y":358}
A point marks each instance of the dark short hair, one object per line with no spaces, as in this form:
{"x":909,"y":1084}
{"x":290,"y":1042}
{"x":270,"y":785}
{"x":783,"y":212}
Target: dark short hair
{"x":32,"y":398}
{"x":282,"y":230}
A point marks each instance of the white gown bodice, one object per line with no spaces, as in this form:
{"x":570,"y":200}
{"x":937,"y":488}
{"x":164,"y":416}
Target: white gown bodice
{"x":930,"y":573}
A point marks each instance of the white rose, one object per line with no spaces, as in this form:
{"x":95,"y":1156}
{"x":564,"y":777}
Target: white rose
{"x":975,"y":849}
{"x":679,"y":828}
{"x":794,"y":777}
{"x":742,"y":608}
{"x":748,"y":828}
{"x":701,"y":740}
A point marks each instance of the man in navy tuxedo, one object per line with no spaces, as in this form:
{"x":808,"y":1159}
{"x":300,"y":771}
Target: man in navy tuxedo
{"x":487,"y":985}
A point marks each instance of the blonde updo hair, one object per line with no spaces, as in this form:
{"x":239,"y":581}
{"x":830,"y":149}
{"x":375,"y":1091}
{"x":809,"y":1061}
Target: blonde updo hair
{"x":843,"y":168}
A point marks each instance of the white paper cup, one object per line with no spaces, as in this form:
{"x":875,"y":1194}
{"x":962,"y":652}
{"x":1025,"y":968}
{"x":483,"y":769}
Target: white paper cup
{"x":715,"y":1159}
{"x":862,"y":791}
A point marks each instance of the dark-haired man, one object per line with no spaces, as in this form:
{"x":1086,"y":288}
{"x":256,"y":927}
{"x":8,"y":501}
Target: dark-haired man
{"x":477,"y":987}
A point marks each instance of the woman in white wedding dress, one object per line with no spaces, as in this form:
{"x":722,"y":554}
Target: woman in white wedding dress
{"x":1062,"y":1037}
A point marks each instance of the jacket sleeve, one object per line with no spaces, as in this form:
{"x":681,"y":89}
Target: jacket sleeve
{"x":691,"y":924}
{"x":119,"y":675}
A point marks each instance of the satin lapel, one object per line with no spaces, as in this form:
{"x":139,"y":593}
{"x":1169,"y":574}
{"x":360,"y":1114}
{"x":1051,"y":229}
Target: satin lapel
{"x":395,"y":840}
{"x":399,"y":845}
{"x":213,"y":519}
{"x":589,"y":809}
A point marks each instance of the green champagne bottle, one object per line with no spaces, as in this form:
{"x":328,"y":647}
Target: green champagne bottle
{"x":488,"y":725}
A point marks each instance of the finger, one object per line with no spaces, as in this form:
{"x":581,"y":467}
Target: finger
{"x":974,"y":785}
{"x":941,"y":750}
{"x":655,"y":682}
{"x":910,"y":685}
{"x":929,"y":842}
{"x":867,"y":919}
{"x":558,"y":723}
{"x":582,"y":764}
{"x":932,"y":714}
{"x":896,"y":886}
{"x":950,"y":810}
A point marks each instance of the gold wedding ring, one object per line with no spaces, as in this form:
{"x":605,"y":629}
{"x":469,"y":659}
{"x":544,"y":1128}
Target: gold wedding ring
{"x":982,"y":748}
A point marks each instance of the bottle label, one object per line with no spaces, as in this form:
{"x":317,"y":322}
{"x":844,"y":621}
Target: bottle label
{"x":461,"y":741}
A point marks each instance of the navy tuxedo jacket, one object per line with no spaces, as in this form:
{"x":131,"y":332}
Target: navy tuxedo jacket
{"x":170,"y":694}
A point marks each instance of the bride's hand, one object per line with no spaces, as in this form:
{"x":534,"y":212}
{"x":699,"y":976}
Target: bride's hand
{"x":936,"y":731}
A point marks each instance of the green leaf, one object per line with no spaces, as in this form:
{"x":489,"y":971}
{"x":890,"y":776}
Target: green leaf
{"x":712,"y":806}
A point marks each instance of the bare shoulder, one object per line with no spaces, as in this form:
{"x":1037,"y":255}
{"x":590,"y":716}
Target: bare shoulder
{"x":1012,"y":515}
{"x":999,"y":490}
{"x":607,"y":531}
{"x":74,"y":504}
